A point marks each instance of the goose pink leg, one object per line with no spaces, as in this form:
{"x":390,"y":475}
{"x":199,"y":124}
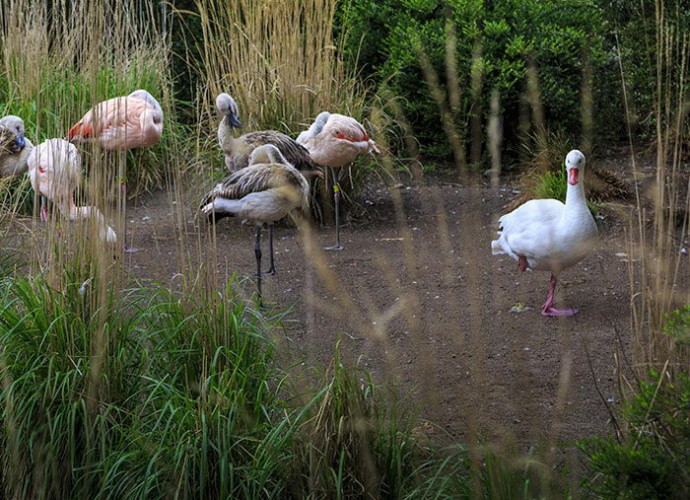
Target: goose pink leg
{"x":547,"y":309}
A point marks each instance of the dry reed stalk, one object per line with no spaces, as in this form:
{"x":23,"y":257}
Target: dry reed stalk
{"x":656,"y":280}
{"x":277,"y":59}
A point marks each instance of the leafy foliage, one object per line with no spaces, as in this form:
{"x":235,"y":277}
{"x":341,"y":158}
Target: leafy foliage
{"x":493,"y":40}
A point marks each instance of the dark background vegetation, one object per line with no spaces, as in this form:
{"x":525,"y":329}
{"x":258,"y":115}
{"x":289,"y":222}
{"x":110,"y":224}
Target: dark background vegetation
{"x":496,"y":40}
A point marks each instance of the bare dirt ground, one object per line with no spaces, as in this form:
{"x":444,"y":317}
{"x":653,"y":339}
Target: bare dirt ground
{"x":417,"y":299}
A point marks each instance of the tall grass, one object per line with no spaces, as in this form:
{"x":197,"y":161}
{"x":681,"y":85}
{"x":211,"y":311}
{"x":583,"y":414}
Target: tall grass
{"x":60,"y":58}
{"x":283,"y":68}
{"x":147,"y":394}
{"x":659,"y":232}
{"x":649,"y":458}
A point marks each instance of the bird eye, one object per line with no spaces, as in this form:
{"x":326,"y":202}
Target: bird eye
{"x":41,"y":169}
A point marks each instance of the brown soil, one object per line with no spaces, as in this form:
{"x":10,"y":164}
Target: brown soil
{"x":417,"y":299}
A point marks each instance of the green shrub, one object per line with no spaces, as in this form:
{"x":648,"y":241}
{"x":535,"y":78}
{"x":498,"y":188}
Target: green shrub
{"x":493,"y":41}
{"x":143,"y":394}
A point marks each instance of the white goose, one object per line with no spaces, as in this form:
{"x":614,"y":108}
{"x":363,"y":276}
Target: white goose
{"x":334,"y":141}
{"x":548,"y":235}
{"x":265,"y":191}
{"x":55,"y":172}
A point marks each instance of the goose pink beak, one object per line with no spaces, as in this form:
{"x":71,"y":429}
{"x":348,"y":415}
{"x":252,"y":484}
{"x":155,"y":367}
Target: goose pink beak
{"x":573,"y":175}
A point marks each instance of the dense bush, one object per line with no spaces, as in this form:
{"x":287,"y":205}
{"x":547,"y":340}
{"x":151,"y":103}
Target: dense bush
{"x":494,"y":42}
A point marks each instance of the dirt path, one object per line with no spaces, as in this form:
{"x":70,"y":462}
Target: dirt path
{"x":418,"y":300}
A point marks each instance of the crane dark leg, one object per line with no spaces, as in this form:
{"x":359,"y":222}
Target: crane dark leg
{"x":336,"y":199}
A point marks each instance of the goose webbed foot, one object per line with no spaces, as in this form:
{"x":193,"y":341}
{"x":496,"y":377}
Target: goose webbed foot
{"x":553,"y":312}
{"x":547,"y":309}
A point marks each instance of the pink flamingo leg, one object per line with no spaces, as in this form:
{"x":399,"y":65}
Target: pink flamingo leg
{"x":44,"y":209}
{"x":547,"y":309}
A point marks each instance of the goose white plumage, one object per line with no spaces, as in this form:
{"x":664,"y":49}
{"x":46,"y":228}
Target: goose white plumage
{"x":55,"y":172}
{"x":267,"y":190}
{"x":334,"y":141}
{"x":549,"y":235}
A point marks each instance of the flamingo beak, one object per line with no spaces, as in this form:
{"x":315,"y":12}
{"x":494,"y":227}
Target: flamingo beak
{"x":573,"y":175}
{"x":234,"y":121}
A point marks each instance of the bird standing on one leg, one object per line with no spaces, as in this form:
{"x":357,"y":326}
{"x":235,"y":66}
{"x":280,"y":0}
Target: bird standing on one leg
{"x":119,"y":124}
{"x":55,"y":173}
{"x":334,"y":141}
{"x":549,"y":235}
{"x":267,"y":190}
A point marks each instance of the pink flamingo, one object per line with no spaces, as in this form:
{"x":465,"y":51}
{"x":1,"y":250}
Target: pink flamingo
{"x":334,"y":141}
{"x":121,"y":123}
{"x":55,"y":173}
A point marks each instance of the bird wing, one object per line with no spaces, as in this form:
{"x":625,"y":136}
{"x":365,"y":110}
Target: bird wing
{"x":252,"y":179}
{"x":530,"y":229}
{"x":294,"y":153}
{"x":107,"y":116}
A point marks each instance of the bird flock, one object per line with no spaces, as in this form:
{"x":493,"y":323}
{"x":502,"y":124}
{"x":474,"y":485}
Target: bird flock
{"x":54,"y":166}
{"x":269,"y":179}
